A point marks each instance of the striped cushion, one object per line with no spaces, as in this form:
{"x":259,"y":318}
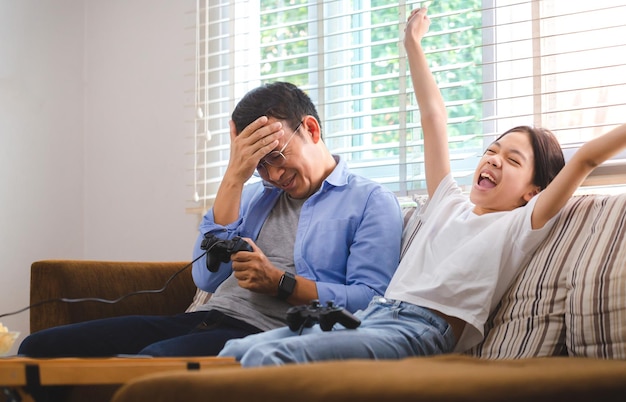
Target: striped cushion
{"x":595,"y":310}
{"x":530,"y":318}
{"x":200,"y":298}
{"x":571,"y":296}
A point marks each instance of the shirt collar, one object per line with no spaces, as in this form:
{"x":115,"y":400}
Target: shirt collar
{"x":339,"y":176}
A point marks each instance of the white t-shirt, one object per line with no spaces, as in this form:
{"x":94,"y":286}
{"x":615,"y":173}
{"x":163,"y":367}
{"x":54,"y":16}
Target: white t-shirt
{"x":460,"y":263}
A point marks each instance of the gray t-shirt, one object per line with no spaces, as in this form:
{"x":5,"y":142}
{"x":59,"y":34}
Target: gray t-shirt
{"x":276,"y":239}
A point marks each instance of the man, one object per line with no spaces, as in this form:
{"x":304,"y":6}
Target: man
{"x":316,"y":231}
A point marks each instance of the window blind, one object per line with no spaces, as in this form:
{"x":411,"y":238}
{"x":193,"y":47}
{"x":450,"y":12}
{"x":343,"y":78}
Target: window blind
{"x":557,"y":64}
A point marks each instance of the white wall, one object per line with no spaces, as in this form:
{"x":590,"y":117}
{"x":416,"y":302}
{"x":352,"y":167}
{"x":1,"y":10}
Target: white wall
{"x":94,"y":135}
{"x":138,"y":79}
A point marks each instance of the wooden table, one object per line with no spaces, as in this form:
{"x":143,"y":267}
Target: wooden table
{"x":18,"y":372}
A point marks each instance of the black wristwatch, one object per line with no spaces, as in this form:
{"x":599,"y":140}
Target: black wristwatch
{"x":286,"y":285}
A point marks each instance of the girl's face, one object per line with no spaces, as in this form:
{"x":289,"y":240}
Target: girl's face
{"x":503,"y":178}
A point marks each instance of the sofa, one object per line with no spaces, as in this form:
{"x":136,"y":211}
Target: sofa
{"x":559,"y":332}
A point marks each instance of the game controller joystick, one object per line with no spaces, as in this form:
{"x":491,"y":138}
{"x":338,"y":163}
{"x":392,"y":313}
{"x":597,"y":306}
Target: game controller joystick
{"x":220,"y":250}
{"x":327,"y":316}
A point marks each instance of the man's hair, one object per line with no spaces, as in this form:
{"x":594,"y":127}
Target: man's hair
{"x":547,"y":153}
{"x":280,"y":100}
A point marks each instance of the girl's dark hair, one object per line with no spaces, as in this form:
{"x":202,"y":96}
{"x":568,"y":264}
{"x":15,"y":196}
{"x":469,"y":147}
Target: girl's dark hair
{"x":280,"y":100}
{"x":547,"y":152}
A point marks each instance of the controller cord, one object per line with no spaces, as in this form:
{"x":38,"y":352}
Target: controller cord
{"x":112,"y":301}
{"x":308,"y":322}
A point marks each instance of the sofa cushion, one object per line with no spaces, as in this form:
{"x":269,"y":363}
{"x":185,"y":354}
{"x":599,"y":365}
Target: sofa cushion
{"x":595,"y":310}
{"x":200,"y":298}
{"x":530,"y":318}
{"x":571,"y":296}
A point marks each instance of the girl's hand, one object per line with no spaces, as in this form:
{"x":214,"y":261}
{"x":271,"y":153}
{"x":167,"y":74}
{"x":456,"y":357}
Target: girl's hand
{"x":417,"y":25}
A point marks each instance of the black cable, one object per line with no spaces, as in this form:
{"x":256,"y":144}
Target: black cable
{"x":113,"y":301}
{"x":308,"y":322}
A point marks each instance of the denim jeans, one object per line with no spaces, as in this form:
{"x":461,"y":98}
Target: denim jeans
{"x":389,"y":329}
{"x":202,"y":333}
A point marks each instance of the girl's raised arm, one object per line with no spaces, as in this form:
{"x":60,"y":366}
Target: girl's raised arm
{"x":588,"y":157}
{"x":432,"y":108}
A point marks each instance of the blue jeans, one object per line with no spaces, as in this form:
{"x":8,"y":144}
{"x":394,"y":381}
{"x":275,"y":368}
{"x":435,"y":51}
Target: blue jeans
{"x":389,"y":329}
{"x":202,"y":333}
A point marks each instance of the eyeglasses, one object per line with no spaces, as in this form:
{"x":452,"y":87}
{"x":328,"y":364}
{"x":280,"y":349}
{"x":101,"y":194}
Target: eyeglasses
{"x":276,"y":158}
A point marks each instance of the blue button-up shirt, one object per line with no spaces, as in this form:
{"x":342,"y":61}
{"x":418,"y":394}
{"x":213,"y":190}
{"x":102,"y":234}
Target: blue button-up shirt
{"x":347,"y":241}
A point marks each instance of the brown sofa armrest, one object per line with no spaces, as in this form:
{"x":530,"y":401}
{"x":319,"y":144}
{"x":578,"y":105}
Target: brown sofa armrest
{"x":76,"y":279}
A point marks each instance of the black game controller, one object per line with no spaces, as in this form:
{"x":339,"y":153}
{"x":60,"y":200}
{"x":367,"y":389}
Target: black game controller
{"x":299,"y":317}
{"x":219,"y":250}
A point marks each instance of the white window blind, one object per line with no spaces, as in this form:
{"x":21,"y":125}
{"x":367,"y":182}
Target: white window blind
{"x":552,"y":63}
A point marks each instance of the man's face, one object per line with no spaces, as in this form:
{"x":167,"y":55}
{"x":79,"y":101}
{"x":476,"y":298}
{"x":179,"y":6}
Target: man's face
{"x":292,"y":166}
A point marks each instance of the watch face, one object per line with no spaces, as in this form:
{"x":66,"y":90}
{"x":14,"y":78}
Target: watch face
{"x":286,"y":285}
